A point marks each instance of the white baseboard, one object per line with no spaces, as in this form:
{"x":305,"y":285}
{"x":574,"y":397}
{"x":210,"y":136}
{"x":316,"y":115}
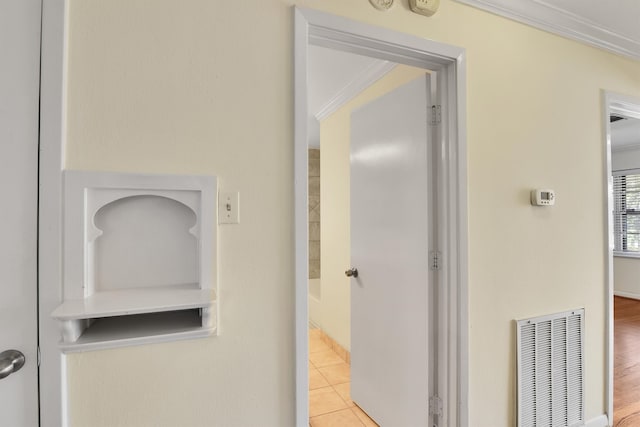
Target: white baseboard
{"x":625,"y":294}
{"x":599,"y":421}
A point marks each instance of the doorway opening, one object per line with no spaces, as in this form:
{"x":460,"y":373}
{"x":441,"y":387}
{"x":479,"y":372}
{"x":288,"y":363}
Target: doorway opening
{"x":622,"y":118}
{"x":448,"y":395}
{"x":371,"y":175}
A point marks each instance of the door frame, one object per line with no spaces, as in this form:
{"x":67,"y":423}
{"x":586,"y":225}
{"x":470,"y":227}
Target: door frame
{"x":449,"y":63}
{"x":630,"y":107}
{"x":53,"y":60}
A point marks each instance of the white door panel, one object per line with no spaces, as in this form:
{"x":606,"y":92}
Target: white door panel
{"x":19,"y":93}
{"x":390,"y":218}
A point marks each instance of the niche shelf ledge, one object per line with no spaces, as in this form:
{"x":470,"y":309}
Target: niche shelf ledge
{"x":136,"y":316}
{"x":140,"y":329}
{"x":134,"y":301}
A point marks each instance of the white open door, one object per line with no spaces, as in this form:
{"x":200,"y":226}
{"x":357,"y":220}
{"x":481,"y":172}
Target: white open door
{"x":390,"y":242}
{"x":19,"y":98}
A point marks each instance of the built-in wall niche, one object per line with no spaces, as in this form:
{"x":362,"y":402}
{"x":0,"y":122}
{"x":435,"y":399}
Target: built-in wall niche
{"x":139,"y":259}
{"x":142,"y":241}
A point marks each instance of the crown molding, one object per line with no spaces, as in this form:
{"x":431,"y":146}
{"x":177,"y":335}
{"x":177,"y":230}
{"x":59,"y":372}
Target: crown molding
{"x":360,"y":82}
{"x":545,"y":16}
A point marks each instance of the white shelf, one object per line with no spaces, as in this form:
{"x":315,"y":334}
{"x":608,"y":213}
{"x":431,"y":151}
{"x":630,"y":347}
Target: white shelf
{"x":136,"y":316}
{"x":135,"y":301}
{"x":121,"y":331}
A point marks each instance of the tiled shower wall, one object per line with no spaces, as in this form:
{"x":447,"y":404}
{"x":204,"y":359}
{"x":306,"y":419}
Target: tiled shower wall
{"x":314,"y":213}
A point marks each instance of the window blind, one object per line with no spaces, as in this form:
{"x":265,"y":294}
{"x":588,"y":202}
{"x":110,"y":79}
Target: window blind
{"x":626,"y":213}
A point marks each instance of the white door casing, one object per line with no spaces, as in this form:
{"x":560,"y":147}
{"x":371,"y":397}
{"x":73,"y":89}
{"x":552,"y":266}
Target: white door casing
{"x":390,"y":243}
{"x":19,"y":116}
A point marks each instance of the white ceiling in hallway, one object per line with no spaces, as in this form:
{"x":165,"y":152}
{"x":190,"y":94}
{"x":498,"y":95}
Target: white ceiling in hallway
{"x":625,"y":133}
{"x":334,"y":77}
{"x":330,"y":71}
{"x":611,"y":25}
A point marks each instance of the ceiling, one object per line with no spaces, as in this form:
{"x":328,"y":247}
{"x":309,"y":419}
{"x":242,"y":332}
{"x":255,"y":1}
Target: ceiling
{"x":335,"y":77}
{"x":611,"y":25}
{"x":625,"y":134}
{"x":331,"y":71}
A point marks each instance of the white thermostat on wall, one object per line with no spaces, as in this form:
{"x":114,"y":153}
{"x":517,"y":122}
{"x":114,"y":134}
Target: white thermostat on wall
{"x":543,"y":197}
{"x":424,"y":7}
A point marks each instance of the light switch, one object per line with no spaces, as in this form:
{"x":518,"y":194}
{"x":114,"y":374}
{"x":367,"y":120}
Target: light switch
{"x":229,"y":208}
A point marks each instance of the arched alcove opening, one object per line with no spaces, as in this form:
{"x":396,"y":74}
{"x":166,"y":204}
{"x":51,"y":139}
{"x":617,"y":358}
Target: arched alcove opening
{"x":144,"y":241}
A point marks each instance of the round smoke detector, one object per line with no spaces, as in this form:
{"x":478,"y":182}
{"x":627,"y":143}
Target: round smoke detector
{"x":383,"y":5}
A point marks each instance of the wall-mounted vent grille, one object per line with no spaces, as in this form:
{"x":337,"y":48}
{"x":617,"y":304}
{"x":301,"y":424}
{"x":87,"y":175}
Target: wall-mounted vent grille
{"x":550,"y":370}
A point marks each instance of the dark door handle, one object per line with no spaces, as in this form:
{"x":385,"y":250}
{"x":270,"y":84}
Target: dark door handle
{"x":352,"y":272}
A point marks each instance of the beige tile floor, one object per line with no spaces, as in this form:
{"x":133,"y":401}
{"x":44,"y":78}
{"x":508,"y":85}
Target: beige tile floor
{"x":330,"y":404}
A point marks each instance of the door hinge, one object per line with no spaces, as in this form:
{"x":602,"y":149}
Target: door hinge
{"x":435,"y":406}
{"x":435,"y":260}
{"x":436,"y":114}
{"x":39,"y":357}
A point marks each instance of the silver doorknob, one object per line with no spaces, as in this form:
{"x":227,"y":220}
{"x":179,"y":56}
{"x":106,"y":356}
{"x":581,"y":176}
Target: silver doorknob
{"x":10,"y":361}
{"x":352,"y":272}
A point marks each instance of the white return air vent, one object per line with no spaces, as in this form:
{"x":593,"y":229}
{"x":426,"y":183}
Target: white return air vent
{"x":550,"y":370}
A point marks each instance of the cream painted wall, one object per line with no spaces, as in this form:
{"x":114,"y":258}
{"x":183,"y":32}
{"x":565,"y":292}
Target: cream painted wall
{"x":335,"y":134}
{"x":206,"y":87}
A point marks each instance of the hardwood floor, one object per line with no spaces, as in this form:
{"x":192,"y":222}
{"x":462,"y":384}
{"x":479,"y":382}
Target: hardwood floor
{"x":626,"y":376}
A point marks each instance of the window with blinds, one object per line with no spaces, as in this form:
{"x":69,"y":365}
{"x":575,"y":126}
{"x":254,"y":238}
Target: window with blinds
{"x":626,"y":213}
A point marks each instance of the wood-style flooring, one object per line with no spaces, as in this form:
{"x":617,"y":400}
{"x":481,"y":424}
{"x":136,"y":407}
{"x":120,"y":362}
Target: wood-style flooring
{"x":626,"y":367}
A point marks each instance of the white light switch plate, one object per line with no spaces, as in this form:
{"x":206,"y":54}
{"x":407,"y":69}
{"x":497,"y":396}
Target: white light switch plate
{"x":229,"y":208}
